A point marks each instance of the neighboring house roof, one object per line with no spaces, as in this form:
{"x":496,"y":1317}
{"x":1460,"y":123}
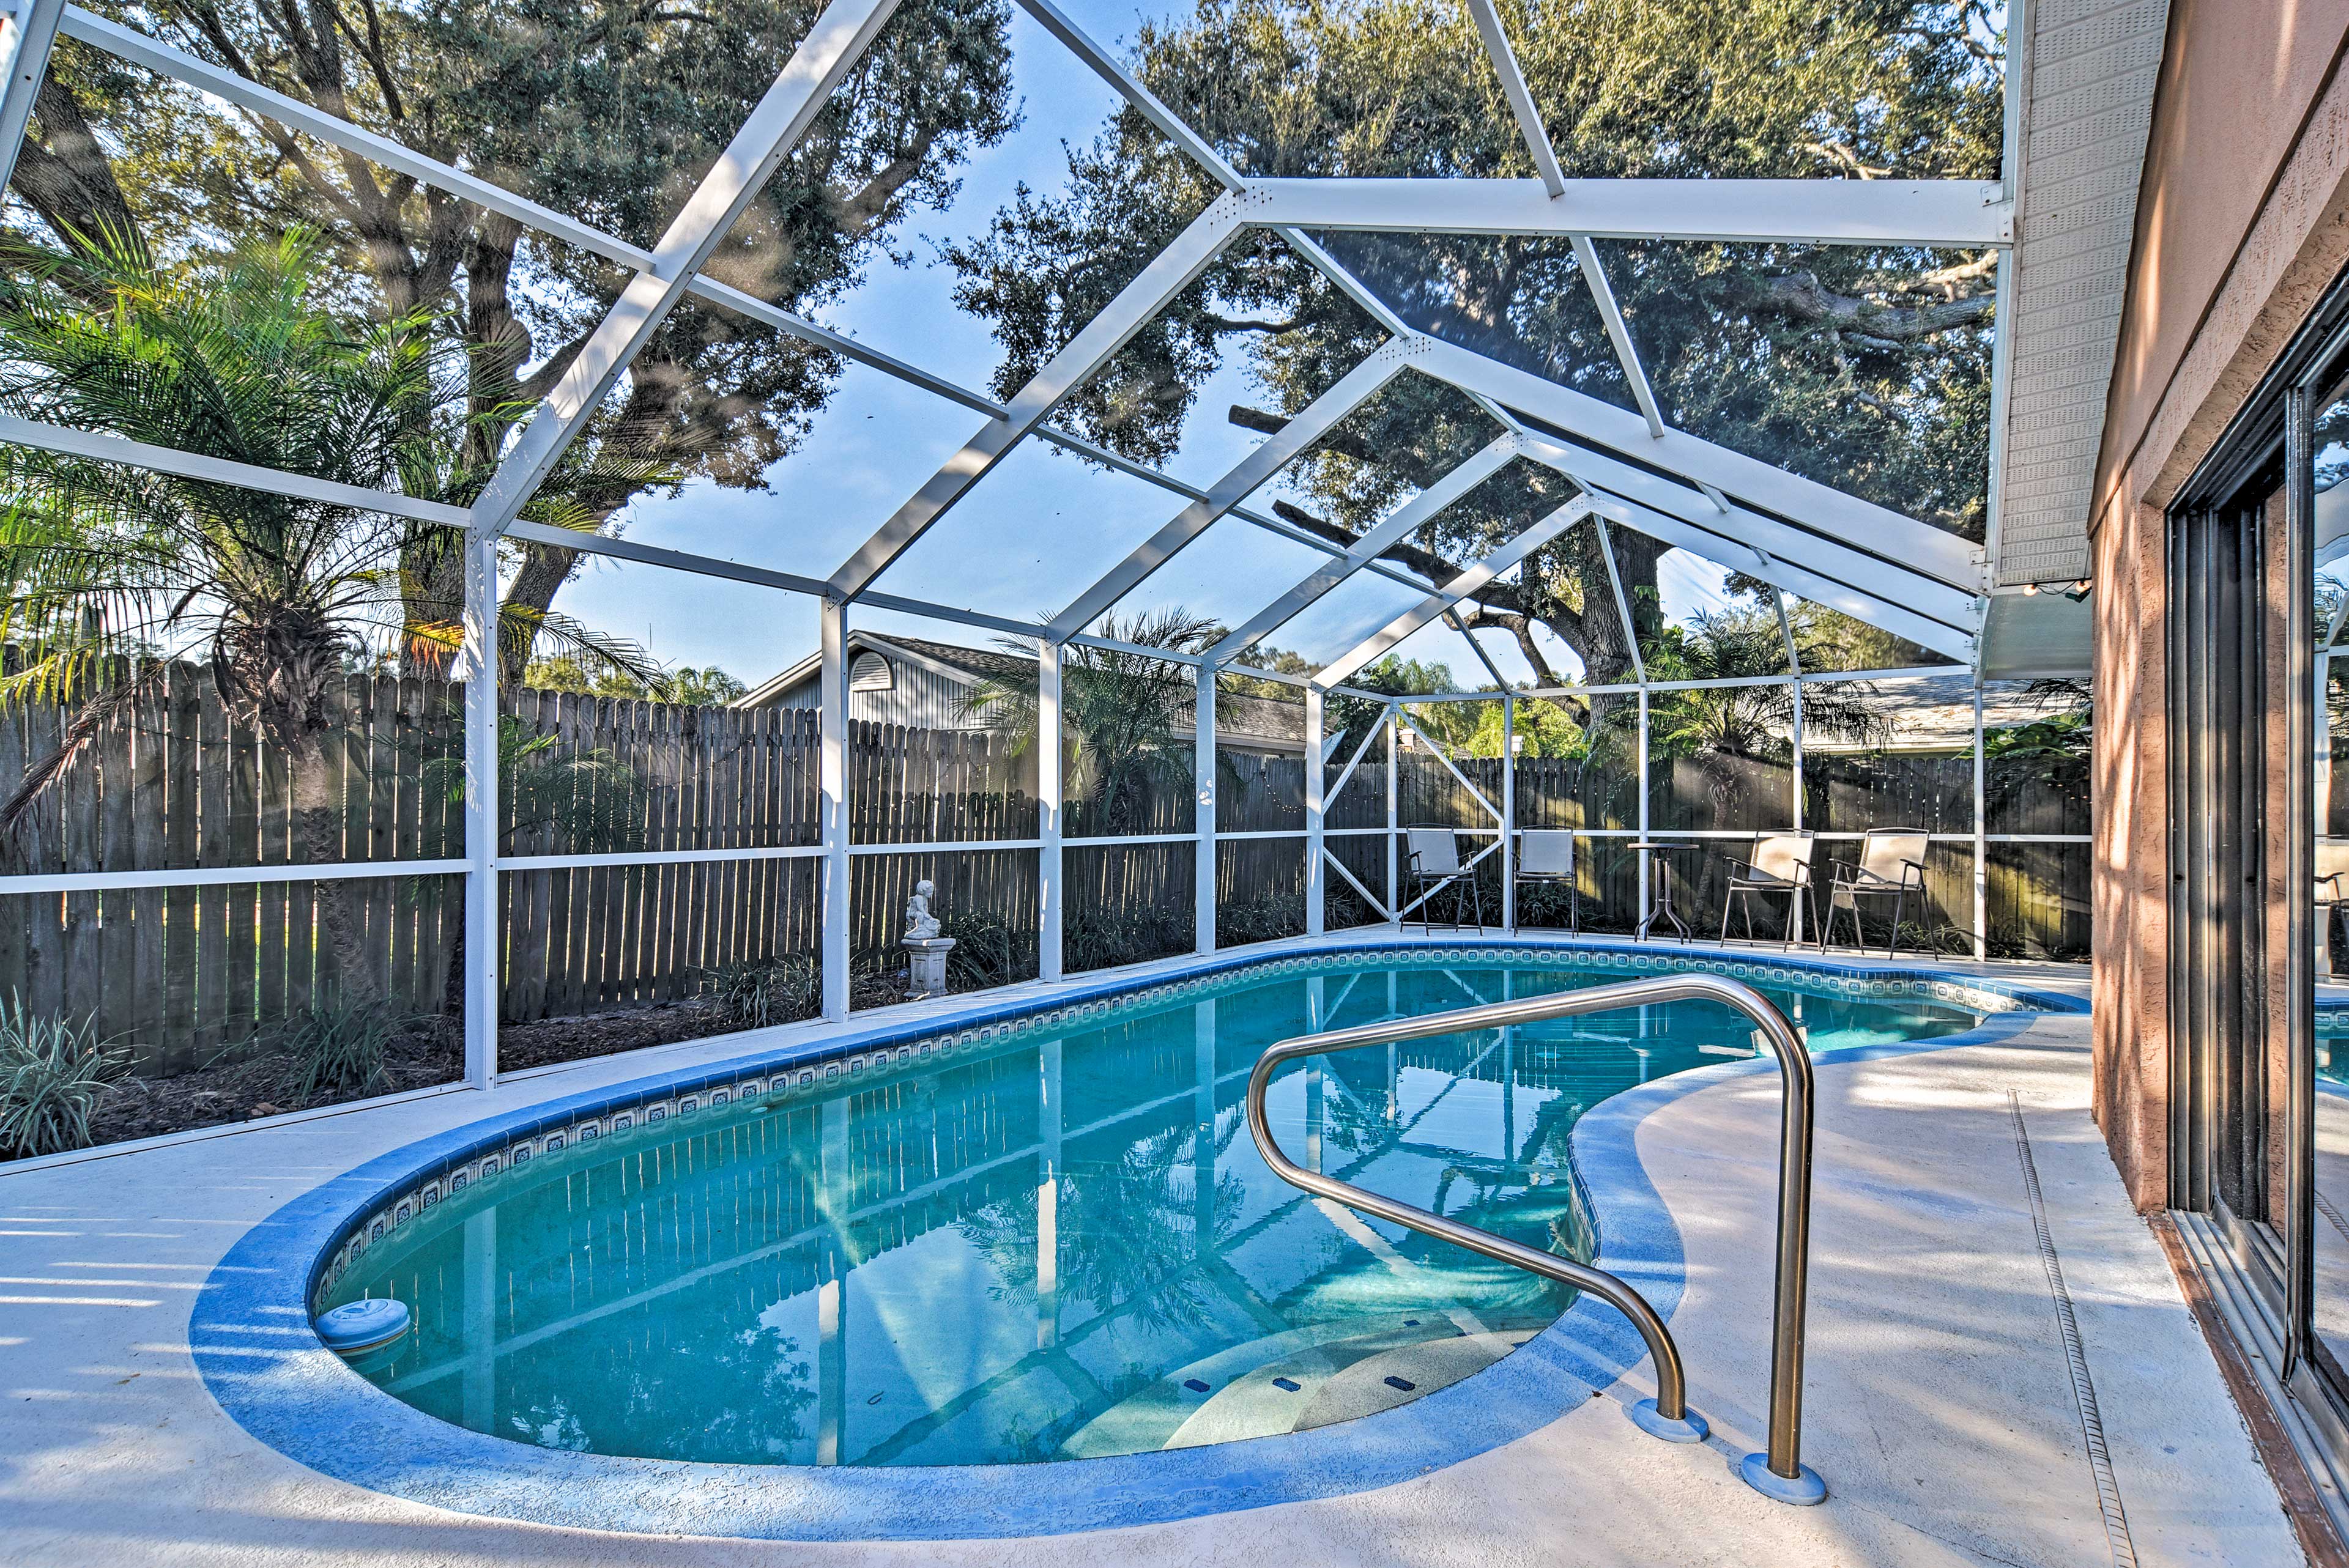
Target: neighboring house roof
{"x":1937,"y":714}
{"x":1244,"y":720}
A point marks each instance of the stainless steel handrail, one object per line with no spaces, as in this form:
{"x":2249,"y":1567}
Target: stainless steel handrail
{"x":1777,"y":1473}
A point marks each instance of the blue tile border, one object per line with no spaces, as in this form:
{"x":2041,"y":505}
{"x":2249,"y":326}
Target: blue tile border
{"x":252,"y":1343}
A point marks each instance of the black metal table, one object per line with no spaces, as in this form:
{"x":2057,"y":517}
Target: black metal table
{"x":1660,"y":887}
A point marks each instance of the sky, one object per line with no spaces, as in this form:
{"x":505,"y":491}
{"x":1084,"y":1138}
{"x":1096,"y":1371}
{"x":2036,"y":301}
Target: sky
{"x":1036,"y":532}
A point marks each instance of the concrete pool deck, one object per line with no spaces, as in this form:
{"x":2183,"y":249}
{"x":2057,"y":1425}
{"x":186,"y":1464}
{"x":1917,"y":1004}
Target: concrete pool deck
{"x":1940,"y":1403}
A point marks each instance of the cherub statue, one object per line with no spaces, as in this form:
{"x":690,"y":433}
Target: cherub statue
{"x":920,"y":924}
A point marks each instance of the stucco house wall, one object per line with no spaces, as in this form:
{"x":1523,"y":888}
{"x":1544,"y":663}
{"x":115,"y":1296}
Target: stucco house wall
{"x":2242,"y":220}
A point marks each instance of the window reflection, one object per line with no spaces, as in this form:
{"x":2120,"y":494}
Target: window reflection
{"x":2330,"y":798}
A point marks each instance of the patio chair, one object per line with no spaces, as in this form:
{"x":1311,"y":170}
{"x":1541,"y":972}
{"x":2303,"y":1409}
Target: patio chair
{"x":1781,"y":864}
{"x":1434,"y":860}
{"x":2332,"y":895}
{"x":1891,"y":865}
{"x":1546,"y":855}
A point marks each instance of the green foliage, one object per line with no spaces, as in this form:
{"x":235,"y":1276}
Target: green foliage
{"x":337,"y":1049}
{"x":1265,"y":656}
{"x":1353,"y":717}
{"x":52,"y":1074}
{"x":1129,"y":715}
{"x":242,"y":358}
{"x":2046,"y":755}
{"x":1543,"y":728}
{"x":708,"y":686}
{"x":1263,"y":919}
{"x":2065,"y":737}
{"x":1100,"y":938}
{"x":1751,"y":720}
{"x":603,"y":111}
{"x":594,"y":802}
{"x":758,"y":992}
{"x":238,"y":361}
{"x":987,"y":952}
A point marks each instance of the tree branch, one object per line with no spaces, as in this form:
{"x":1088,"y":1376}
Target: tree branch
{"x":1521,"y":627}
{"x":1801,"y":296}
{"x":1338,"y":440}
{"x":1270,"y":328}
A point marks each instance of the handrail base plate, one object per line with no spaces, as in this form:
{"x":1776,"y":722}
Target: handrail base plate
{"x":1691,"y":1427}
{"x":1806,"y":1490}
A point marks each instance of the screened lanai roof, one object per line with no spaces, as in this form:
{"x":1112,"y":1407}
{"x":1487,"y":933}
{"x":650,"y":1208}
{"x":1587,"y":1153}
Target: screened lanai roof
{"x":974,"y":460}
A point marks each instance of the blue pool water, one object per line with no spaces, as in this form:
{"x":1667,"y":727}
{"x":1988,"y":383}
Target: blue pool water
{"x":1063,"y":1247}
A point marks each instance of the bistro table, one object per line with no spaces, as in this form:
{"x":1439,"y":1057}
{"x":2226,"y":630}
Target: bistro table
{"x":1660,"y":887}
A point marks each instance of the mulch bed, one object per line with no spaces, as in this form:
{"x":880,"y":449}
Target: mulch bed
{"x":253,"y":1087}
{"x":256,"y":1086}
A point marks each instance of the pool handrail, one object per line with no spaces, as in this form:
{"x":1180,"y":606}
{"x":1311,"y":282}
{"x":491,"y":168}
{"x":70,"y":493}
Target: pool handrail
{"x":1786,"y":1478}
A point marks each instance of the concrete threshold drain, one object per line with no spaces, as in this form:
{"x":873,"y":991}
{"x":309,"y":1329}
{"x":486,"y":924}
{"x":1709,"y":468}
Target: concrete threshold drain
{"x":2076,"y":1355}
{"x":1778,"y":1471}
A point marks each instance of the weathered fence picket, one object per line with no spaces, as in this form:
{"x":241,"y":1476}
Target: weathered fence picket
{"x":173,"y":780}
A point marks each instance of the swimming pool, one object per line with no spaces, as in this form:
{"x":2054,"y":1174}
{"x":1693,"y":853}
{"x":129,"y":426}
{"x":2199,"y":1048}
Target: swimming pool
{"x":1051,"y":1241}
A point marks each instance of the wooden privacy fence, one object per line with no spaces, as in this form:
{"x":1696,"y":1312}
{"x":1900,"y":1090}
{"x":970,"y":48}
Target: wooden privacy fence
{"x":168,"y":780}
{"x":2037,"y":894}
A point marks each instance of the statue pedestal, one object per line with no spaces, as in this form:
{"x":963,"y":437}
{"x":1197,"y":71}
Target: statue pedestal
{"x":927,"y":956}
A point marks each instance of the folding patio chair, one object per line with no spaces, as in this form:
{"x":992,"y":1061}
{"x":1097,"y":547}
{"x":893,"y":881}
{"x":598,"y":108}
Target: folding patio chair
{"x":2332,"y":895}
{"x":1891,"y":865}
{"x":1781,"y":863}
{"x":1435,"y":861}
{"x":1546,"y":855}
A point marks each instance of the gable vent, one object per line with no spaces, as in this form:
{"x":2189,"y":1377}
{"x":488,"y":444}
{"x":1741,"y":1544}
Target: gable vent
{"x":871,"y":672}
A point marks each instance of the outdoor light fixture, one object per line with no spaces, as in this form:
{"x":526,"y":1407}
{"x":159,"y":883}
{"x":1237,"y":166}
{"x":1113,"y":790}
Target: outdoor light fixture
{"x":2078,"y":591}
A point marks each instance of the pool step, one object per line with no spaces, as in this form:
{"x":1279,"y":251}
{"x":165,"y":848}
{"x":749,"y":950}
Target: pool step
{"x":1392,"y":1377}
{"x":1342,"y":1379}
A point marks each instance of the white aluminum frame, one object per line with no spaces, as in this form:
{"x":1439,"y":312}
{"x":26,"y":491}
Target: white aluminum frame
{"x":1972,"y":214}
{"x":832,"y":47}
{"x":1725,"y":506}
{"x":1464,"y":586}
{"x":1390,"y":531}
{"x":1171,"y":272}
{"x":26,"y":32}
{"x":1317,"y":419}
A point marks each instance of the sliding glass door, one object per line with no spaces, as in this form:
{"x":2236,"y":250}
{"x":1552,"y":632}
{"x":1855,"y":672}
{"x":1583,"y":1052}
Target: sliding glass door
{"x":2259,"y":831}
{"x":2225,"y":1122}
{"x":2317,"y":443}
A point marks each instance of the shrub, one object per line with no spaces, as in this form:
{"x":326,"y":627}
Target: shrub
{"x":1262,"y":919}
{"x":52,"y":1072}
{"x":987,"y":952}
{"x":757,"y":991}
{"x":1099,"y":938}
{"x":338,"y":1049}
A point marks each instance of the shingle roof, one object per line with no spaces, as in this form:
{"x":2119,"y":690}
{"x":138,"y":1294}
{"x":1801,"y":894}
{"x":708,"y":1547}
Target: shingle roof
{"x":1237,"y":717}
{"x":984,"y":663}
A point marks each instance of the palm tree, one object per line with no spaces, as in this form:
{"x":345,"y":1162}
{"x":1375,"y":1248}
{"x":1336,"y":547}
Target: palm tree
{"x":1749,"y":720}
{"x":1130,"y":714}
{"x":240,"y":358}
